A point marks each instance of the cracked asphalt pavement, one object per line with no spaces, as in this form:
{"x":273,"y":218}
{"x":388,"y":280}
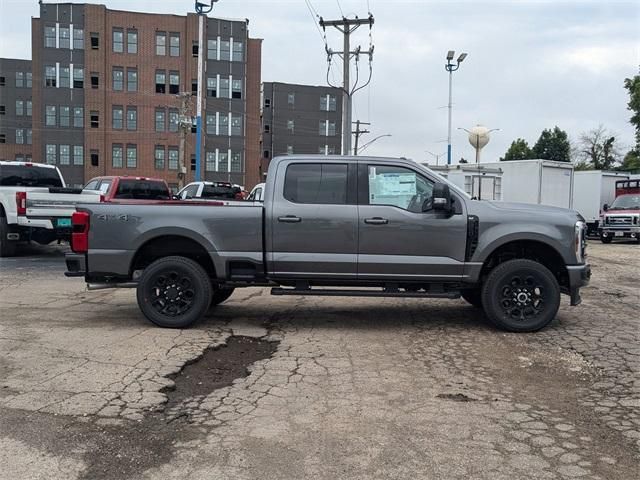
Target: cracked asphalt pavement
{"x":319,"y":388}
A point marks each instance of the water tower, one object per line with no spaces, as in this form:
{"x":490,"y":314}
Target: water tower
{"x":479,"y":136}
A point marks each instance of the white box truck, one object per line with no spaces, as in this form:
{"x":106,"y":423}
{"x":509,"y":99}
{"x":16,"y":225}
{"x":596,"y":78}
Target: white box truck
{"x":478,"y":181}
{"x":591,"y":190}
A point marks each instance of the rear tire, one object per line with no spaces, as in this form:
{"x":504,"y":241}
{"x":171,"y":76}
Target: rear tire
{"x":473,"y":296}
{"x":7,"y":247}
{"x":174,"y":292}
{"x":521,"y":296}
{"x":219,"y":295}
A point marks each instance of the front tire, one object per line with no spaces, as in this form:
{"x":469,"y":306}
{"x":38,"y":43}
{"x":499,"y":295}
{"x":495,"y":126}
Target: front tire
{"x":174,"y":292}
{"x":521,"y":296}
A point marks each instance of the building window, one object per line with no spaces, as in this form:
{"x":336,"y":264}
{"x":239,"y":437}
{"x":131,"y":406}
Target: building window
{"x":236,"y":162}
{"x":174,"y":44}
{"x":19,"y":108}
{"x":50,"y":36}
{"x":29,"y":108}
{"x":29,"y":82}
{"x":78,"y":117}
{"x":174,"y":82}
{"x":50,"y":76}
{"x":132,"y":156}
{"x":225,"y":50}
{"x":65,"y":116}
{"x":236,"y":125}
{"x":223,"y":162}
{"x":161,"y":81}
{"x":212,"y":87}
{"x":51,"y":154}
{"x":291,"y":99}
{"x":19,"y":136}
{"x":65,"y":38}
{"x":224,"y":88}
{"x":289,"y":149}
{"x":19,"y":158}
{"x":159,"y":157}
{"x":29,"y":136}
{"x":328,"y":103}
{"x":95,"y":80}
{"x":19,"y":79}
{"x":194,"y":87}
{"x":161,"y":43}
{"x":238,"y":51}
{"x":132,"y":118}
{"x":65,"y":77}
{"x":173,"y":158}
{"x":236,"y":89}
{"x":132,"y":79}
{"x":193,"y":163}
{"x":332,"y":129}
{"x":267,"y":102}
{"x":117,"y":114}
{"x":95,"y":158}
{"x":267,"y":128}
{"x":3,"y":81}
{"x":3,"y":110}
{"x":194,"y":49}
{"x":291,"y":126}
{"x":65,"y":157}
{"x":223,"y":125}
{"x":173,"y":120}
{"x":78,"y":155}
{"x":210,"y":162}
{"x":95,"y":41}
{"x":116,"y":156}
{"x":50,"y":116}
{"x":327,"y":128}
{"x":3,"y":138}
{"x":211,"y":124}
{"x":132,"y":41}
{"x":160,"y":120}
{"x":118,"y":79}
{"x":78,"y":38}
{"x":118,"y":40}
{"x":78,"y":77}
{"x":95,"y":119}
{"x":212,"y":49}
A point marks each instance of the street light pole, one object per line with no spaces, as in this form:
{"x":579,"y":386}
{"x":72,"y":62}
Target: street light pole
{"x":451,"y":67}
{"x":436,"y":155}
{"x":371,"y":141}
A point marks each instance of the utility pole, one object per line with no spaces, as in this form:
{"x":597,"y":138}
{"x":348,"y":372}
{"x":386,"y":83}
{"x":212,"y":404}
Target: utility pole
{"x":184,"y":123}
{"x":347,"y":26}
{"x":357,"y":133}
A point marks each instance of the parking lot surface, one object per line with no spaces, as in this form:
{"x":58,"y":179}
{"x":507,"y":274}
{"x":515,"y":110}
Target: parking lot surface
{"x":291,"y":388}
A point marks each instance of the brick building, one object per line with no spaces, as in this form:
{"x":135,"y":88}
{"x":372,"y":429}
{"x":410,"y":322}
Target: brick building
{"x":105,"y":86}
{"x":15,"y":110}
{"x":299,"y":119}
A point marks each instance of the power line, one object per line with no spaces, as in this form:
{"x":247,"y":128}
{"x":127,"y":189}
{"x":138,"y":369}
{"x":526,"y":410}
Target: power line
{"x":340,"y":7}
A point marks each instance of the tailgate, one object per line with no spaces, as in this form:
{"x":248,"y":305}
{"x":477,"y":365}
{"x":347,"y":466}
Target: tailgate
{"x":47,"y":205}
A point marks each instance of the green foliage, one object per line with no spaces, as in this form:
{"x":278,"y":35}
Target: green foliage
{"x":633,"y":86}
{"x":553,"y":145}
{"x":519,"y":150}
{"x":598,"y":149}
{"x":631,"y":161}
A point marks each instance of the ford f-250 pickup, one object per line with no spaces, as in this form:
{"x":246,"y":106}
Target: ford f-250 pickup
{"x":343,"y":226}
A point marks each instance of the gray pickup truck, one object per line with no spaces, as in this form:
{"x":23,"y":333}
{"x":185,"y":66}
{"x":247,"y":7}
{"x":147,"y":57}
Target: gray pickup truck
{"x":342,"y":226}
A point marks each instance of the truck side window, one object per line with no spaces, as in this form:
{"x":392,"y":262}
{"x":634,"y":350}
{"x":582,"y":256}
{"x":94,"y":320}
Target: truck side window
{"x":316,"y":183}
{"x":104,"y":186}
{"x":399,"y":187}
{"x":190,"y":192}
{"x":92,"y":185}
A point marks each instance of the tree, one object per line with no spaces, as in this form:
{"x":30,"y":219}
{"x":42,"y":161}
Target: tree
{"x":519,"y":150}
{"x":598,"y":149}
{"x":633,"y":86}
{"x":553,"y":145}
{"x":631,"y":161}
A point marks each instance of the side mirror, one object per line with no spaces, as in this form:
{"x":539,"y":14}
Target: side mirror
{"x":605,"y":207}
{"x":441,"y":197}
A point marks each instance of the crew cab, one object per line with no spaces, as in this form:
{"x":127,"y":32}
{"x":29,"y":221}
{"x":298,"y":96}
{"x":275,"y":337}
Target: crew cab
{"x":343,"y":226}
{"x":124,"y":188}
{"x":621,"y":219}
{"x":35,"y":204}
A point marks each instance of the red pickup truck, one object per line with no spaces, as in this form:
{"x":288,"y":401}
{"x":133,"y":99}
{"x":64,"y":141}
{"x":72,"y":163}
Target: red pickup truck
{"x":118,"y":189}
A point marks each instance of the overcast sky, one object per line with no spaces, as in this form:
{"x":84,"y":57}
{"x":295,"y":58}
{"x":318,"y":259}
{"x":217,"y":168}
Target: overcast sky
{"x":531,"y":64}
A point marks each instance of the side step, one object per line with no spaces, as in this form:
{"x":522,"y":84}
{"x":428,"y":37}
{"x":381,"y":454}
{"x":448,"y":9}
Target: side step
{"x":325,"y":292}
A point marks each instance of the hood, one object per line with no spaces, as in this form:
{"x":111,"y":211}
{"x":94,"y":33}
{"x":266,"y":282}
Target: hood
{"x":530,"y":207}
{"x":611,"y":211}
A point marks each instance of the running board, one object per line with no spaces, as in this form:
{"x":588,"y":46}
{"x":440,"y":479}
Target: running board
{"x":323,"y":292}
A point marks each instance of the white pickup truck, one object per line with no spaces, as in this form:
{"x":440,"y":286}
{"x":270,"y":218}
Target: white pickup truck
{"x":35,"y":205}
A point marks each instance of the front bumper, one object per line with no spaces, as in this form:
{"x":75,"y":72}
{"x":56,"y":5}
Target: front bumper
{"x":620,"y":232}
{"x":579,"y":276}
{"x":76,"y":265}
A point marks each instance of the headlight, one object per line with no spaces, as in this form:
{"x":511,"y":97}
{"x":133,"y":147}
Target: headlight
{"x":580,"y":241}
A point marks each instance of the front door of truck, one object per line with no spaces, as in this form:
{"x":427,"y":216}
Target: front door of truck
{"x":401,"y":237}
{"x":314,"y":221}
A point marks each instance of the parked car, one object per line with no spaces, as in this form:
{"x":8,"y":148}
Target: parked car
{"x":257,"y":193}
{"x":621,"y":219}
{"x":116,"y":189}
{"x":343,"y":226}
{"x":35,"y":204}
{"x":211,"y":191}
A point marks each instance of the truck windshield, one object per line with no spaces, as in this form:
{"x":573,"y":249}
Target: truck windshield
{"x":142,"y":190}
{"x":29,"y":176}
{"x":626,"y":202}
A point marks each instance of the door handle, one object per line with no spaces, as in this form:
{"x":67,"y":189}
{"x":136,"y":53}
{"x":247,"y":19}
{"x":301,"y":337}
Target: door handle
{"x":289,"y":219}
{"x":376,"y":221}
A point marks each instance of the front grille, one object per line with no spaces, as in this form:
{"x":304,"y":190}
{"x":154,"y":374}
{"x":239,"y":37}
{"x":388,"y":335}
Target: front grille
{"x":619,"y":220}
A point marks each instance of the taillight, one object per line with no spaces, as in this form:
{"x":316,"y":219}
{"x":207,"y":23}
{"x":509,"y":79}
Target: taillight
{"x":21,"y":203}
{"x":80,"y":232}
